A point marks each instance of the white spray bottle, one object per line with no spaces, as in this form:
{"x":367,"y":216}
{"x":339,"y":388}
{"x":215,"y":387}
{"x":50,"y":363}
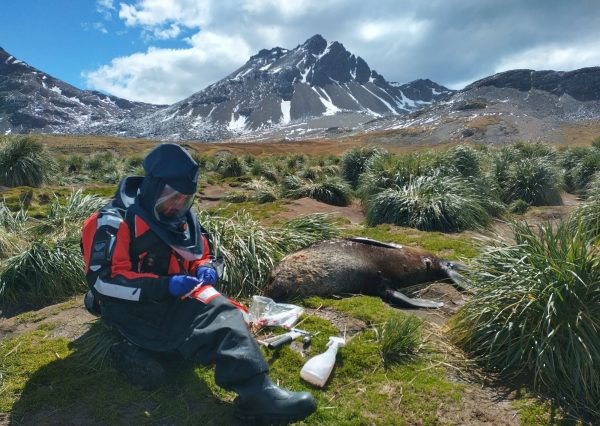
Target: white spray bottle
{"x":318,"y":368}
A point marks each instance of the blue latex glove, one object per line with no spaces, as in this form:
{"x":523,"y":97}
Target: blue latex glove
{"x":180,"y":285}
{"x":207,"y":275}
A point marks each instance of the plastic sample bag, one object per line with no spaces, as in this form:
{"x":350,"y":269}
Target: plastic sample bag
{"x":266,"y":312}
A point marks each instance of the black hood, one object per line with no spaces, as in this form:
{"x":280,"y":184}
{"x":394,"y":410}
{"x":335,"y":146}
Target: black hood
{"x":127,"y":191}
{"x":166,"y":164}
{"x":173,"y":165}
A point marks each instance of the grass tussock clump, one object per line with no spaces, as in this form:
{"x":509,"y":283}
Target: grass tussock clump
{"x":400,"y":339}
{"x":23,"y":162}
{"x":66,"y":216}
{"x":235,"y":196}
{"x":587,"y":215}
{"x":264,"y":190}
{"x":327,"y":189}
{"x":44,"y":273}
{"x":230,"y":166}
{"x":40,"y":259}
{"x":535,"y":181}
{"x":580,"y":164}
{"x":536,"y":314}
{"x":12,"y":225}
{"x":431,"y":203}
{"x":390,"y":171}
{"x":465,"y":159}
{"x":354,"y":162}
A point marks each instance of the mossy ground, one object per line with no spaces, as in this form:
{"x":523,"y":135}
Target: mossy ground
{"x":45,"y":378}
{"x":449,"y":246}
{"x":37,"y":200}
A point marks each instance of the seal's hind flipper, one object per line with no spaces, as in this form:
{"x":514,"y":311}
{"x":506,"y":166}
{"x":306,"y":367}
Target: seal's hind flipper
{"x":395,"y":297}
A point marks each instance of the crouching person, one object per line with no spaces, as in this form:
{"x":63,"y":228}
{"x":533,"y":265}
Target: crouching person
{"x":150,"y":270}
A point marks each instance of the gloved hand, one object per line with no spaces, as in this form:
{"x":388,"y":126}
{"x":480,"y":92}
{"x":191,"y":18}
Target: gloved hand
{"x":180,"y":285}
{"x":207,"y":275}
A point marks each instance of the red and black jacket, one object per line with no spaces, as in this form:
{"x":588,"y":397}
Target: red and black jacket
{"x":126,"y":261}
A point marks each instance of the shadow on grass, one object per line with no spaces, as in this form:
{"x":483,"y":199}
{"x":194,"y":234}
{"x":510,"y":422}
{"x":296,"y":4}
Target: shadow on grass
{"x":67,"y":391}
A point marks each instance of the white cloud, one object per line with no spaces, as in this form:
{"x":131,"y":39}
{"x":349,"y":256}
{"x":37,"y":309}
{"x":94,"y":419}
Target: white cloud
{"x":451,"y":43}
{"x":106,"y":4}
{"x":165,"y":76}
{"x":105,"y":8}
{"x":288,"y":10}
{"x":152,"y":13}
{"x":553,"y":57}
{"x":166,"y":33}
{"x":411,"y":30}
{"x":99,"y":26}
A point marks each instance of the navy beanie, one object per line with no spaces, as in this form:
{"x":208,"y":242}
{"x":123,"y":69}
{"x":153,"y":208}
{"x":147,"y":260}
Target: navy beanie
{"x":172,"y":164}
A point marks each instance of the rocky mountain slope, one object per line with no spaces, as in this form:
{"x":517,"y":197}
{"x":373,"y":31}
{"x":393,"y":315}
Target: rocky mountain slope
{"x":33,"y":101}
{"x":279,"y":87}
{"x":509,"y":106}
{"x":315,"y":90}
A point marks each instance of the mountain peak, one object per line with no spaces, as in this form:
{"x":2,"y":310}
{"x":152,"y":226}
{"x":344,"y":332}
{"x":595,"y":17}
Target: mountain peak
{"x":316,"y":44}
{"x":269,"y":54}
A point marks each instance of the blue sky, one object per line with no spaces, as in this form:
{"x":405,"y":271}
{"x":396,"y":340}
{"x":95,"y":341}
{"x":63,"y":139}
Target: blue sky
{"x":162,"y":51}
{"x":66,"y":37}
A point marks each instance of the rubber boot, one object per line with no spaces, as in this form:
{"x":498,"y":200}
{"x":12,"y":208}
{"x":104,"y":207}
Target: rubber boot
{"x":91,"y":304}
{"x":136,"y":365}
{"x":260,"y":401}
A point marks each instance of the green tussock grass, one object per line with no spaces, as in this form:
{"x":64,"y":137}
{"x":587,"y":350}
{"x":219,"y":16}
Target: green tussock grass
{"x":67,"y":214}
{"x":535,"y":181}
{"x":400,"y":339}
{"x":355,"y":161}
{"x":24,"y":162}
{"x":535,"y":316}
{"x":45,"y":272}
{"x":327,"y":189}
{"x":431,"y":203}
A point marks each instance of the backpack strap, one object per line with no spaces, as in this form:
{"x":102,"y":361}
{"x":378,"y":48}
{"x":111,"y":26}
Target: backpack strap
{"x":157,"y":254}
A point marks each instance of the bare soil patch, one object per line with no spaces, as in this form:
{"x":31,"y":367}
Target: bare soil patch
{"x":539,"y":215}
{"x":69,"y":320}
{"x":303,"y":206}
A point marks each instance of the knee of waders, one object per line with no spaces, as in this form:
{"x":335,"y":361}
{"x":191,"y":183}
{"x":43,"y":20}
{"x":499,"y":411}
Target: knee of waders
{"x":137,"y":366}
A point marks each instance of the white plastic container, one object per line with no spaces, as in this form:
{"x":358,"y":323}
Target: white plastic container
{"x":318,"y":368}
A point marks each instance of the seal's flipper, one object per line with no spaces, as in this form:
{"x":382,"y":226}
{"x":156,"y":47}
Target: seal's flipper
{"x":396,"y":297}
{"x":451,"y":268}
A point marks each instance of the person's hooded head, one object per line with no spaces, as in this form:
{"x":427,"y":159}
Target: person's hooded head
{"x":165,"y":197}
{"x":169,"y":185}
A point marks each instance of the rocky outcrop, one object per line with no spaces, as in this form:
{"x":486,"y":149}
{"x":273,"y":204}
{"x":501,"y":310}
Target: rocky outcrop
{"x":582,"y":84}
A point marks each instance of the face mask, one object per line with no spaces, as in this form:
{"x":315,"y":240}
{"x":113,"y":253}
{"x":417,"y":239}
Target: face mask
{"x":172,"y":204}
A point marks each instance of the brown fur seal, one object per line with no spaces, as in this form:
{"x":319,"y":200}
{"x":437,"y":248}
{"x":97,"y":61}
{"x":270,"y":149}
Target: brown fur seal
{"x":358,"y":265}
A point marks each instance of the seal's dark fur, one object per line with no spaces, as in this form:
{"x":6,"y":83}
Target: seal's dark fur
{"x":357,"y":265}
